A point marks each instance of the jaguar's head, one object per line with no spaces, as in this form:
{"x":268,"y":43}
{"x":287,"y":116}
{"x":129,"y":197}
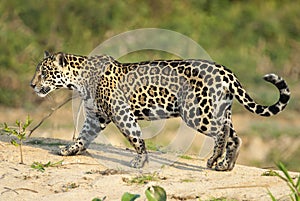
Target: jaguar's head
{"x":53,"y":72}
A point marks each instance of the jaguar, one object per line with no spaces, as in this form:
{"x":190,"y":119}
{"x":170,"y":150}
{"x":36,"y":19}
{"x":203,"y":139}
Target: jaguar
{"x":200,"y":92}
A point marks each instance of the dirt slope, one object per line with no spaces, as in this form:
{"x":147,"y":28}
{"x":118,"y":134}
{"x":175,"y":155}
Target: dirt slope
{"x":86,"y":176}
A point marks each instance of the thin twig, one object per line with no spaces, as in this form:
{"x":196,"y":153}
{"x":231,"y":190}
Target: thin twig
{"x":47,"y":116}
{"x":242,"y":186}
{"x":81,"y":164}
{"x":21,"y":143}
{"x":77,"y":120}
{"x":17,"y":189}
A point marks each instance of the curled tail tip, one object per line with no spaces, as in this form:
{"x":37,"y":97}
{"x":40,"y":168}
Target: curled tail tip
{"x":271,"y":77}
{"x":278,"y":81}
{"x":283,"y":90}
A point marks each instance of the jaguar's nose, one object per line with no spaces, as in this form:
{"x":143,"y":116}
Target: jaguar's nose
{"x":32,"y":84}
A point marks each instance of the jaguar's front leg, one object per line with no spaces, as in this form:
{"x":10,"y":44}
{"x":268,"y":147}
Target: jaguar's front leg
{"x":88,"y":133}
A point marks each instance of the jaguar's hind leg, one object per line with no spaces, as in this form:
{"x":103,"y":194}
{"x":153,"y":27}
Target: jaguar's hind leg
{"x":233,"y":143}
{"x":125,"y":120}
{"x":218,"y":159}
{"x":219,"y":149}
{"x":232,"y":151}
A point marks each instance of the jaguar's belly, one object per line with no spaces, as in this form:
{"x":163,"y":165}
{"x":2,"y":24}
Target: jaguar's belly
{"x":152,"y":103}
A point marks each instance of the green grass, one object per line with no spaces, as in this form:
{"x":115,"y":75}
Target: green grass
{"x":42,"y":166}
{"x":142,"y":179}
{"x":185,"y":157}
{"x":292,"y":182}
{"x":152,"y":145}
{"x":269,"y":173}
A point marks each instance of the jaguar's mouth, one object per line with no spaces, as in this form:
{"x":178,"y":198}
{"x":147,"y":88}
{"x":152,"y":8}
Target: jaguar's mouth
{"x":43,"y":91}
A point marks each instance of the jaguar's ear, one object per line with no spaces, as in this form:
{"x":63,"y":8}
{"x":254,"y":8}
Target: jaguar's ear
{"x":46,"y":54}
{"x":60,"y":59}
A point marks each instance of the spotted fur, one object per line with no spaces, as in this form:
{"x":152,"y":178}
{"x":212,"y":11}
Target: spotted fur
{"x":198,"y":91}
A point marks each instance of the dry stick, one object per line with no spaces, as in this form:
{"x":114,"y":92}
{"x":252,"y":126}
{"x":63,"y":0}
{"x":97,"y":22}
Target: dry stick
{"x":17,"y":189}
{"x":46,"y":117}
{"x":77,"y":120}
{"x":242,"y":186}
{"x":21,"y":143}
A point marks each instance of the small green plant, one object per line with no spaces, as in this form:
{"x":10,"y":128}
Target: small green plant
{"x":69,"y":186}
{"x":153,"y":193}
{"x":142,"y":179}
{"x":41,"y":167}
{"x":19,"y":132}
{"x":294,"y":186}
{"x":270,"y":173}
{"x":99,"y":199}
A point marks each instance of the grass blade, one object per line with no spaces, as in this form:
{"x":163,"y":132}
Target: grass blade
{"x":285,"y":172}
{"x":298,"y":183}
{"x":272,"y":196}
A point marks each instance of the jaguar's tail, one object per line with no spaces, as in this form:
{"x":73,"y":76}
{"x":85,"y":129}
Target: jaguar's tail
{"x":242,"y":96}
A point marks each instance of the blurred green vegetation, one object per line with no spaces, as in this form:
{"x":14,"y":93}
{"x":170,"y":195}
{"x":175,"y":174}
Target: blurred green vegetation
{"x":250,"y":37}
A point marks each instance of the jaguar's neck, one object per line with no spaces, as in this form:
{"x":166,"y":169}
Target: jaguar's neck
{"x":82,"y":71}
{"x":75,"y":61}
{"x":73,"y":66}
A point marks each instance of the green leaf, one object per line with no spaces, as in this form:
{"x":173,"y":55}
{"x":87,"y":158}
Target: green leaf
{"x":14,"y":132}
{"x":129,"y":197}
{"x":7,"y":129}
{"x":98,"y":199}
{"x":157,"y":193}
{"x":47,"y":164}
{"x":18,"y":123}
{"x":13,"y":142}
{"x":38,"y":166}
{"x":56,"y":164}
{"x":27,"y":123}
{"x":22,"y":136}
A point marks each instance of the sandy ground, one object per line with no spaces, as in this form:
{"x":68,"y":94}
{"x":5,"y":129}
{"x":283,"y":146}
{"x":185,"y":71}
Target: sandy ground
{"x":103,"y":171}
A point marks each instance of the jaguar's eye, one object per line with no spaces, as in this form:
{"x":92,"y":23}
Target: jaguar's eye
{"x":44,"y":73}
